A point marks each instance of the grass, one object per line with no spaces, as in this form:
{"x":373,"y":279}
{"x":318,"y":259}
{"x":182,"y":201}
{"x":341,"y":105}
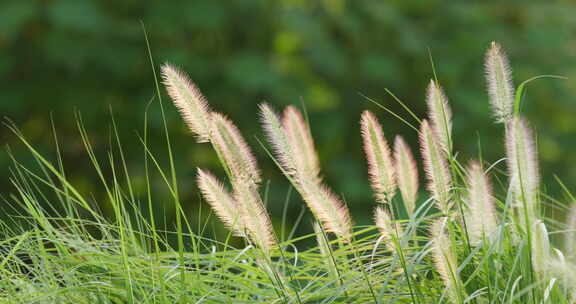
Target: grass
{"x":459,"y":243}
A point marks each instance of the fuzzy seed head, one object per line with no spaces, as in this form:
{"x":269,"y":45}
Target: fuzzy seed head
{"x":541,"y":254}
{"x":437,"y":172}
{"x":189,"y":100}
{"x":564,"y":271}
{"x":570,"y":235}
{"x":440,"y":115}
{"x":233,"y":150}
{"x":294,"y":148}
{"x":278,"y":139}
{"x":389,"y":229}
{"x":327,"y":208}
{"x":256,"y":219}
{"x":300,"y":139}
{"x":481,"y":215}
{"x":406,"y":174}
{"x":446,"y":260}
{"x":380,"y":163}
{"x":500,"y":86}
{"x":221,"y":201}
{"x":522,"y":166}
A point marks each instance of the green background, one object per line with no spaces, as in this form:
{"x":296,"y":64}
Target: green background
{"x":60,"y":57}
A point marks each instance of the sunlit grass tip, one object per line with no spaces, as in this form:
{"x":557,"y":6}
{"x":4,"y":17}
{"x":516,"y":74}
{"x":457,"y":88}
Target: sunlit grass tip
{"x":381,"y":169}
{"x":255,"y":216}
{"x":221,"y":201}
{"x":406,"y":174}
{"x":481,"y":215}
{"x":440,"y":115}
{"x":499,"y":80}
{"x":389,"y":228}
{"x":437,"y":171}
{"x":278,"y":138}
{"x":540,"y":253}
{"x":300,"y":139}
{"x":446,"y":261}
{"x":192,"y":105}
{"x":522,"y":167}
{"x":233,"y":150}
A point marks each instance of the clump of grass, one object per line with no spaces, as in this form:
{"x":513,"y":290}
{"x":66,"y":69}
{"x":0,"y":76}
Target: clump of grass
{"x":461,"y":242}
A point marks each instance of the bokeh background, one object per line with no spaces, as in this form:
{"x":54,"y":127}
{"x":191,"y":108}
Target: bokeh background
{"x":63,"y":57}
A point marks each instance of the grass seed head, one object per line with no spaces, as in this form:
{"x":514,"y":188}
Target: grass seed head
{"x":221,"y":201}
{"x":381,"y":169}
{"x":233,"y":150}
{"x":300,"y":139}
{"x":481,"y":214}
{"x":406,"y":174}
{"x":189,"y":100}
{"x":440,"y":115}
{"x":522,"y":167}
{"x":437,"y":172}
{"x":499,"y":80}
{"x":445,"y":260}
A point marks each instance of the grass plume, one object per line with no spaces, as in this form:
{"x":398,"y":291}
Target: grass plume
{"x":440,"y":115}
{"x":221,"y":201}
{"x":446,"y":261}
{"x":481,"y":215}
{"x":522,"y":168}
{"x":406,"y":174}
{"x":381,"y":169}
{"x":389,"y":228}
{"x":437,"y":172}
{"x":192,"y":105}
{"x":570,"y":235}
{"x":499,"y":80}
{"x":233,"y":150}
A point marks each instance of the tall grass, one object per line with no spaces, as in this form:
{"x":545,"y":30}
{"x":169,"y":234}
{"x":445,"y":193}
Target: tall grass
{"x":461,"y":242}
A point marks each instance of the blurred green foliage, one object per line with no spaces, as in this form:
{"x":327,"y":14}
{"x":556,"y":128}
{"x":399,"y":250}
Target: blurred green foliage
{"x":62,"y":56}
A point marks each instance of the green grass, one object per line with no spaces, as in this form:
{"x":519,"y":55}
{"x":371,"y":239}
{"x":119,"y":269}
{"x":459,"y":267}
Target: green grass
{"x":59,"y":244}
